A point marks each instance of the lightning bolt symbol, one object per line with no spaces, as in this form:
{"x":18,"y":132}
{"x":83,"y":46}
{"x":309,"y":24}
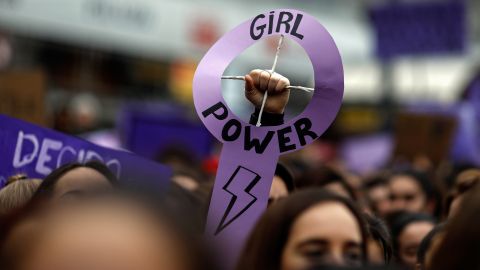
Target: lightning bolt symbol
{"x":239,"y":186}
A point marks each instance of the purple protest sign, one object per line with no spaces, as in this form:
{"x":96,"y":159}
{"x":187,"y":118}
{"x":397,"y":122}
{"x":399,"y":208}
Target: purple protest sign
{"x":37,"y":151}
{"x":250,"y":153}
{"x":150,"y":129}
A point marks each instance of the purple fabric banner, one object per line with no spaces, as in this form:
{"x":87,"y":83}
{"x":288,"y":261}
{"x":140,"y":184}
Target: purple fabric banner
{"x":36,"y":151}
{"x":250,"y":153}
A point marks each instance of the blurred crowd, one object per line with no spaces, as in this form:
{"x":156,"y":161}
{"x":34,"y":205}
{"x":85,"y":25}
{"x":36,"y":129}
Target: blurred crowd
{"x":408,"y":215}
{"x":319,"y":215}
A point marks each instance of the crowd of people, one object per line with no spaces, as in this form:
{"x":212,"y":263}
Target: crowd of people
{"x":319,"y":216}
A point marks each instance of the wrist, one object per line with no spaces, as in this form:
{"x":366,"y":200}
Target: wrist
{"x":272,"y":111}
{"x":268,"y":118}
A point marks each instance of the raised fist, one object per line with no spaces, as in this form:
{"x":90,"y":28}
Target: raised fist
{"x":258,"y":81}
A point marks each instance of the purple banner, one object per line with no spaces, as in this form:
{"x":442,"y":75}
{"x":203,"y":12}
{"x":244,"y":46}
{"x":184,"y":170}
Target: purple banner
{"x":37,"y":151}
{"x":150,"y":129}
{"x":250,"y":153}
{"x":419,"y":27}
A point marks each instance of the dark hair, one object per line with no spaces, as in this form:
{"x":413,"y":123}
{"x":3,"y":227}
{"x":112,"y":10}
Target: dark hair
{"x":265,"y":244}
{"x":323,"y":176}
{"x":461,"y":243}
{"x":45,"y":190}
{"x":422,"y":180}
{"x":378,"y":231}
{"x":455,"y":171}
{"x":371,"y":183}
{"x":178,"y":154}
{"x":282,"y":171}
{"x":459,"y":190}
{"x":426,"y":243}
{"x":400,"y":221}
{"x":375,"y":181}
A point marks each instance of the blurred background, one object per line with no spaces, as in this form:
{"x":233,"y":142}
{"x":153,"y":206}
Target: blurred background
{"x":119,"y":73}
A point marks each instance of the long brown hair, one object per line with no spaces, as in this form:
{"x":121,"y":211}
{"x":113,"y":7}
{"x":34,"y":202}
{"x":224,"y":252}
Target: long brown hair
{"x":265,"y":245}
{"x":459,"y":248}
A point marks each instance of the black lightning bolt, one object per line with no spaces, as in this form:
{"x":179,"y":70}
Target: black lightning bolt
{"x":237,"y":190}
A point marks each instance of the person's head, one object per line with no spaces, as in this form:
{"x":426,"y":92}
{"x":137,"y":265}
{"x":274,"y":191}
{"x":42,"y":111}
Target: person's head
{"x":411,"y":191}
{"x":428,"y":247}
{"x":108,"y":231}
{"x":408,"y":231}
{"x":18,"y":232}
{"x":282,"y":184}
{"x":329,"y":179}
{"x":75,"y":180}
{"x":188,"y":179}
{"x":456,"y":168}
{"x":178,"y":156}
{"x":16,"y":202}
{"x":18,"y":191}
{"x":467,"y":178}
{"x":464,"y":182}
{"x":461,"y":242}
{"x":378,"y":195}
{"x":309,"y":227}
{"x":379,"y":243}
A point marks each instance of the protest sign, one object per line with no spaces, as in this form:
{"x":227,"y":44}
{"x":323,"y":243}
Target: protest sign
{"x":37,"y":151}
{"x":150,"y":129}
{"x":22,"y":95}
{"x":250,"y":153}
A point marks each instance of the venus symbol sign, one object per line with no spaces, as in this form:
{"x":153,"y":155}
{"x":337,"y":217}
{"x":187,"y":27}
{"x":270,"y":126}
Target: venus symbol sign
{"x":250,"y":152}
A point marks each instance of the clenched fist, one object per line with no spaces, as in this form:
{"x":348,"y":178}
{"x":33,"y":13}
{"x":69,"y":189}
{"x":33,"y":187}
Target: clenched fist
{"x":258,"y":81}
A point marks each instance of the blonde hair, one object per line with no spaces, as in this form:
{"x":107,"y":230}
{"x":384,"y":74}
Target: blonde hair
{"x":18,"y":191}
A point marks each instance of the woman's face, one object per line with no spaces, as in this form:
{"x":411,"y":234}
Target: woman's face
{"x":379,"y":196}
{"x":78,"y":182}
{"x":406,"y":194}
{"x":104,"y":237}
{"x":410,"y":239}
{"x":325,"y":234}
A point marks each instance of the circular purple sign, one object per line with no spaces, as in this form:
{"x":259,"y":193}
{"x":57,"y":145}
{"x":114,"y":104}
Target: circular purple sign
{"x":327,"y":67}
{"x":250,"y":153}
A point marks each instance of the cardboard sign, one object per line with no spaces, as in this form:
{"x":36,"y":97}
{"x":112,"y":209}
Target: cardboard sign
{"x":22,"y":95}
{"x":37,"y":151}
{"x":432,"y":137}
{"x":249,"y":154}
{"x":454,"y":132}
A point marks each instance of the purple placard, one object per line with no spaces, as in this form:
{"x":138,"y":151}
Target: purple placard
{"x":148,"y":130}
{"x":367,"y":153}
{"x":249,"y":154}
{"x":423,"y":27}
{"x":466,"y":143}
{"x":473,"y":94}
{"x":37,"y":151}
